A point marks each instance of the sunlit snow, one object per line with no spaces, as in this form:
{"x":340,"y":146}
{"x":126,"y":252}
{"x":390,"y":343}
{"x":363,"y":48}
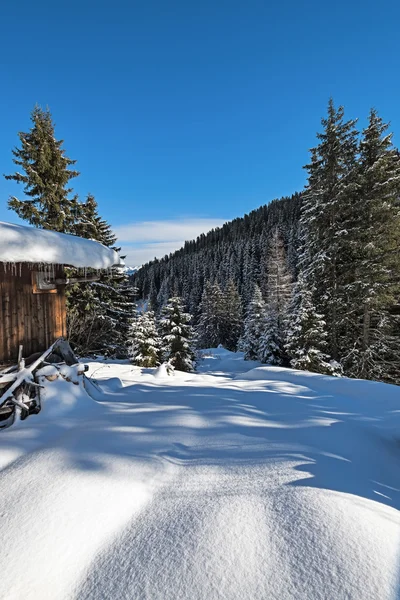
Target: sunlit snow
{"x":236,"y":482}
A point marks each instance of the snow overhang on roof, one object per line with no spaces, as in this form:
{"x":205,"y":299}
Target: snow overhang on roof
{"x":20,"y":244}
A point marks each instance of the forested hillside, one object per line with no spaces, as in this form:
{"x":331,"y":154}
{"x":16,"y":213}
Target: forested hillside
{"x":311,"y":281}
{"x":237,"y":251}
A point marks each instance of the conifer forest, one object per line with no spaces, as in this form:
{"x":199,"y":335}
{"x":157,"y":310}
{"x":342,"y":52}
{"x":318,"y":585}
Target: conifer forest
{"x":310,"y":281}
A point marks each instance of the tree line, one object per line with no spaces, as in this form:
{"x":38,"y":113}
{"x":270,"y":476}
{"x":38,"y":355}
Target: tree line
{"x":315,"y":277}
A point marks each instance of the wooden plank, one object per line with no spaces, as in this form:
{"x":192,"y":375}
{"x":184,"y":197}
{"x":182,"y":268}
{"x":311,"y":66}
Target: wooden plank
{"x":20,"y":303}
{"x":34,"y":320}
{"x":27,"y":317}
{"x":39,"y":342}
{"x":2,"y":323}
{"x":7,"y":324}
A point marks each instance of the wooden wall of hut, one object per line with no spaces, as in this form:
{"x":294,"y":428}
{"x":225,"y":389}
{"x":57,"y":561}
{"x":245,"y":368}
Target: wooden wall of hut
{"x":28,"y":316}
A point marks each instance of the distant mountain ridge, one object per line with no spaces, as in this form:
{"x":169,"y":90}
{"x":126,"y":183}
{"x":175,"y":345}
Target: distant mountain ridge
{"x":130,"y":270}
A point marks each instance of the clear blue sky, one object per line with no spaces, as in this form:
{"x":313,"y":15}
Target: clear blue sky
{"x":187,"y":109}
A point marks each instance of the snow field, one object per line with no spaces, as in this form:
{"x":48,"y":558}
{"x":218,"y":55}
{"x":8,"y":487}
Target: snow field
{"x":237,"y":482}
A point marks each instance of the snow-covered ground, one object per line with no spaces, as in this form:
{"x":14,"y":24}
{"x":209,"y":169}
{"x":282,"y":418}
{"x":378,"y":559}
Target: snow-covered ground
{"x":238,"y":482}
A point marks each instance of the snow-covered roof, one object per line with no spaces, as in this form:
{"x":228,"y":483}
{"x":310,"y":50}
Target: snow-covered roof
{"x":19,"y":243}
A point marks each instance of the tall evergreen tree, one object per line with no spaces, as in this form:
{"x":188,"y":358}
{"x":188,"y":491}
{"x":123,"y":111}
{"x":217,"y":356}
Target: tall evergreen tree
{"x":371,"y":349}
{"x":232,"y":316}
{"x":210,"y":330}
{"x":253,"y":326}
{"x":326,"y":249}
{"x":271,"y":344}
{"x":45,"y":177}
{"x":90,"y":225}
{"x":145,"y":348}
{"x":306,"y":342}
{"x":279,"y":290}
{"x":100,"y":313}
{"x":177,"y":335}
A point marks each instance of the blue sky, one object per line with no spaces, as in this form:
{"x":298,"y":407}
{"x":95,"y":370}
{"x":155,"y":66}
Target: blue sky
{"x":185,"y":114}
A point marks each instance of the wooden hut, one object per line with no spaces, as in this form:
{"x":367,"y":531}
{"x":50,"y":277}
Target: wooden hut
{"x":32,"y":284}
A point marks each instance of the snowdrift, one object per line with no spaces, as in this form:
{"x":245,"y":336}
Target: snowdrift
{"x":239,"y":482}
{"x":343,"y":386}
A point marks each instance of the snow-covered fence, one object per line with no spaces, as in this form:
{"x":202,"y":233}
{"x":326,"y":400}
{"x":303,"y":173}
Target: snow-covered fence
{"x":19,"y":386}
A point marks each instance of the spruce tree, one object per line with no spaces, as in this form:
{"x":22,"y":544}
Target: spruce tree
{"x":271,"y":345}
{"x":306,"y":343}
{"x":232,"y":316}
{"x":372,"y":349}
{"x":253,"y":326}
{"x":279,"y":290}
{"x":211,"y":326}
{"x":177,"y":335}
{"x":45,"y":177}
{"x":100,"y":313}
{"x":89,"y":224}
{"x":145,"y":348}
{"x":326,"y":248}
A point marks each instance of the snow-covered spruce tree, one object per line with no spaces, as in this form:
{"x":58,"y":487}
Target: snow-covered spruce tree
{"x":251,"y":262}
{"x":306,"y":343}
{"x":152,"y":298}
{"x":271,"y":345}
{"x":279,"y":290}
{"x":100,"y":313}
{"x":164,"y":293}
{"x":45,"y":177}
{"x":177,"y":335}
{"x":90,"y":225}
{"x":232,"y":316}
{"x":372,"y":348}
{"x":145,"y":344}
{"x":327,"y":257}
{"x":210,"y":329}
{"x":121,"y":298}
{"x":253,"y":326}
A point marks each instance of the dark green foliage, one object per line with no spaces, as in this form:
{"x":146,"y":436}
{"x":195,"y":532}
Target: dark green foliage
{"x":100,"y":313}
{"x":326,"y":244}
{"x":342,"y":233}
{"x":220,"y":317}
{"x":210,"y":329}
{"x":237,"y":251}
{"x":253,"y":326}
{"x":45,"y":177}
{"x":371,"y":348}
{"x":306,"y":338}
{"x":278,"y":293}
{"x":233,"y":318}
